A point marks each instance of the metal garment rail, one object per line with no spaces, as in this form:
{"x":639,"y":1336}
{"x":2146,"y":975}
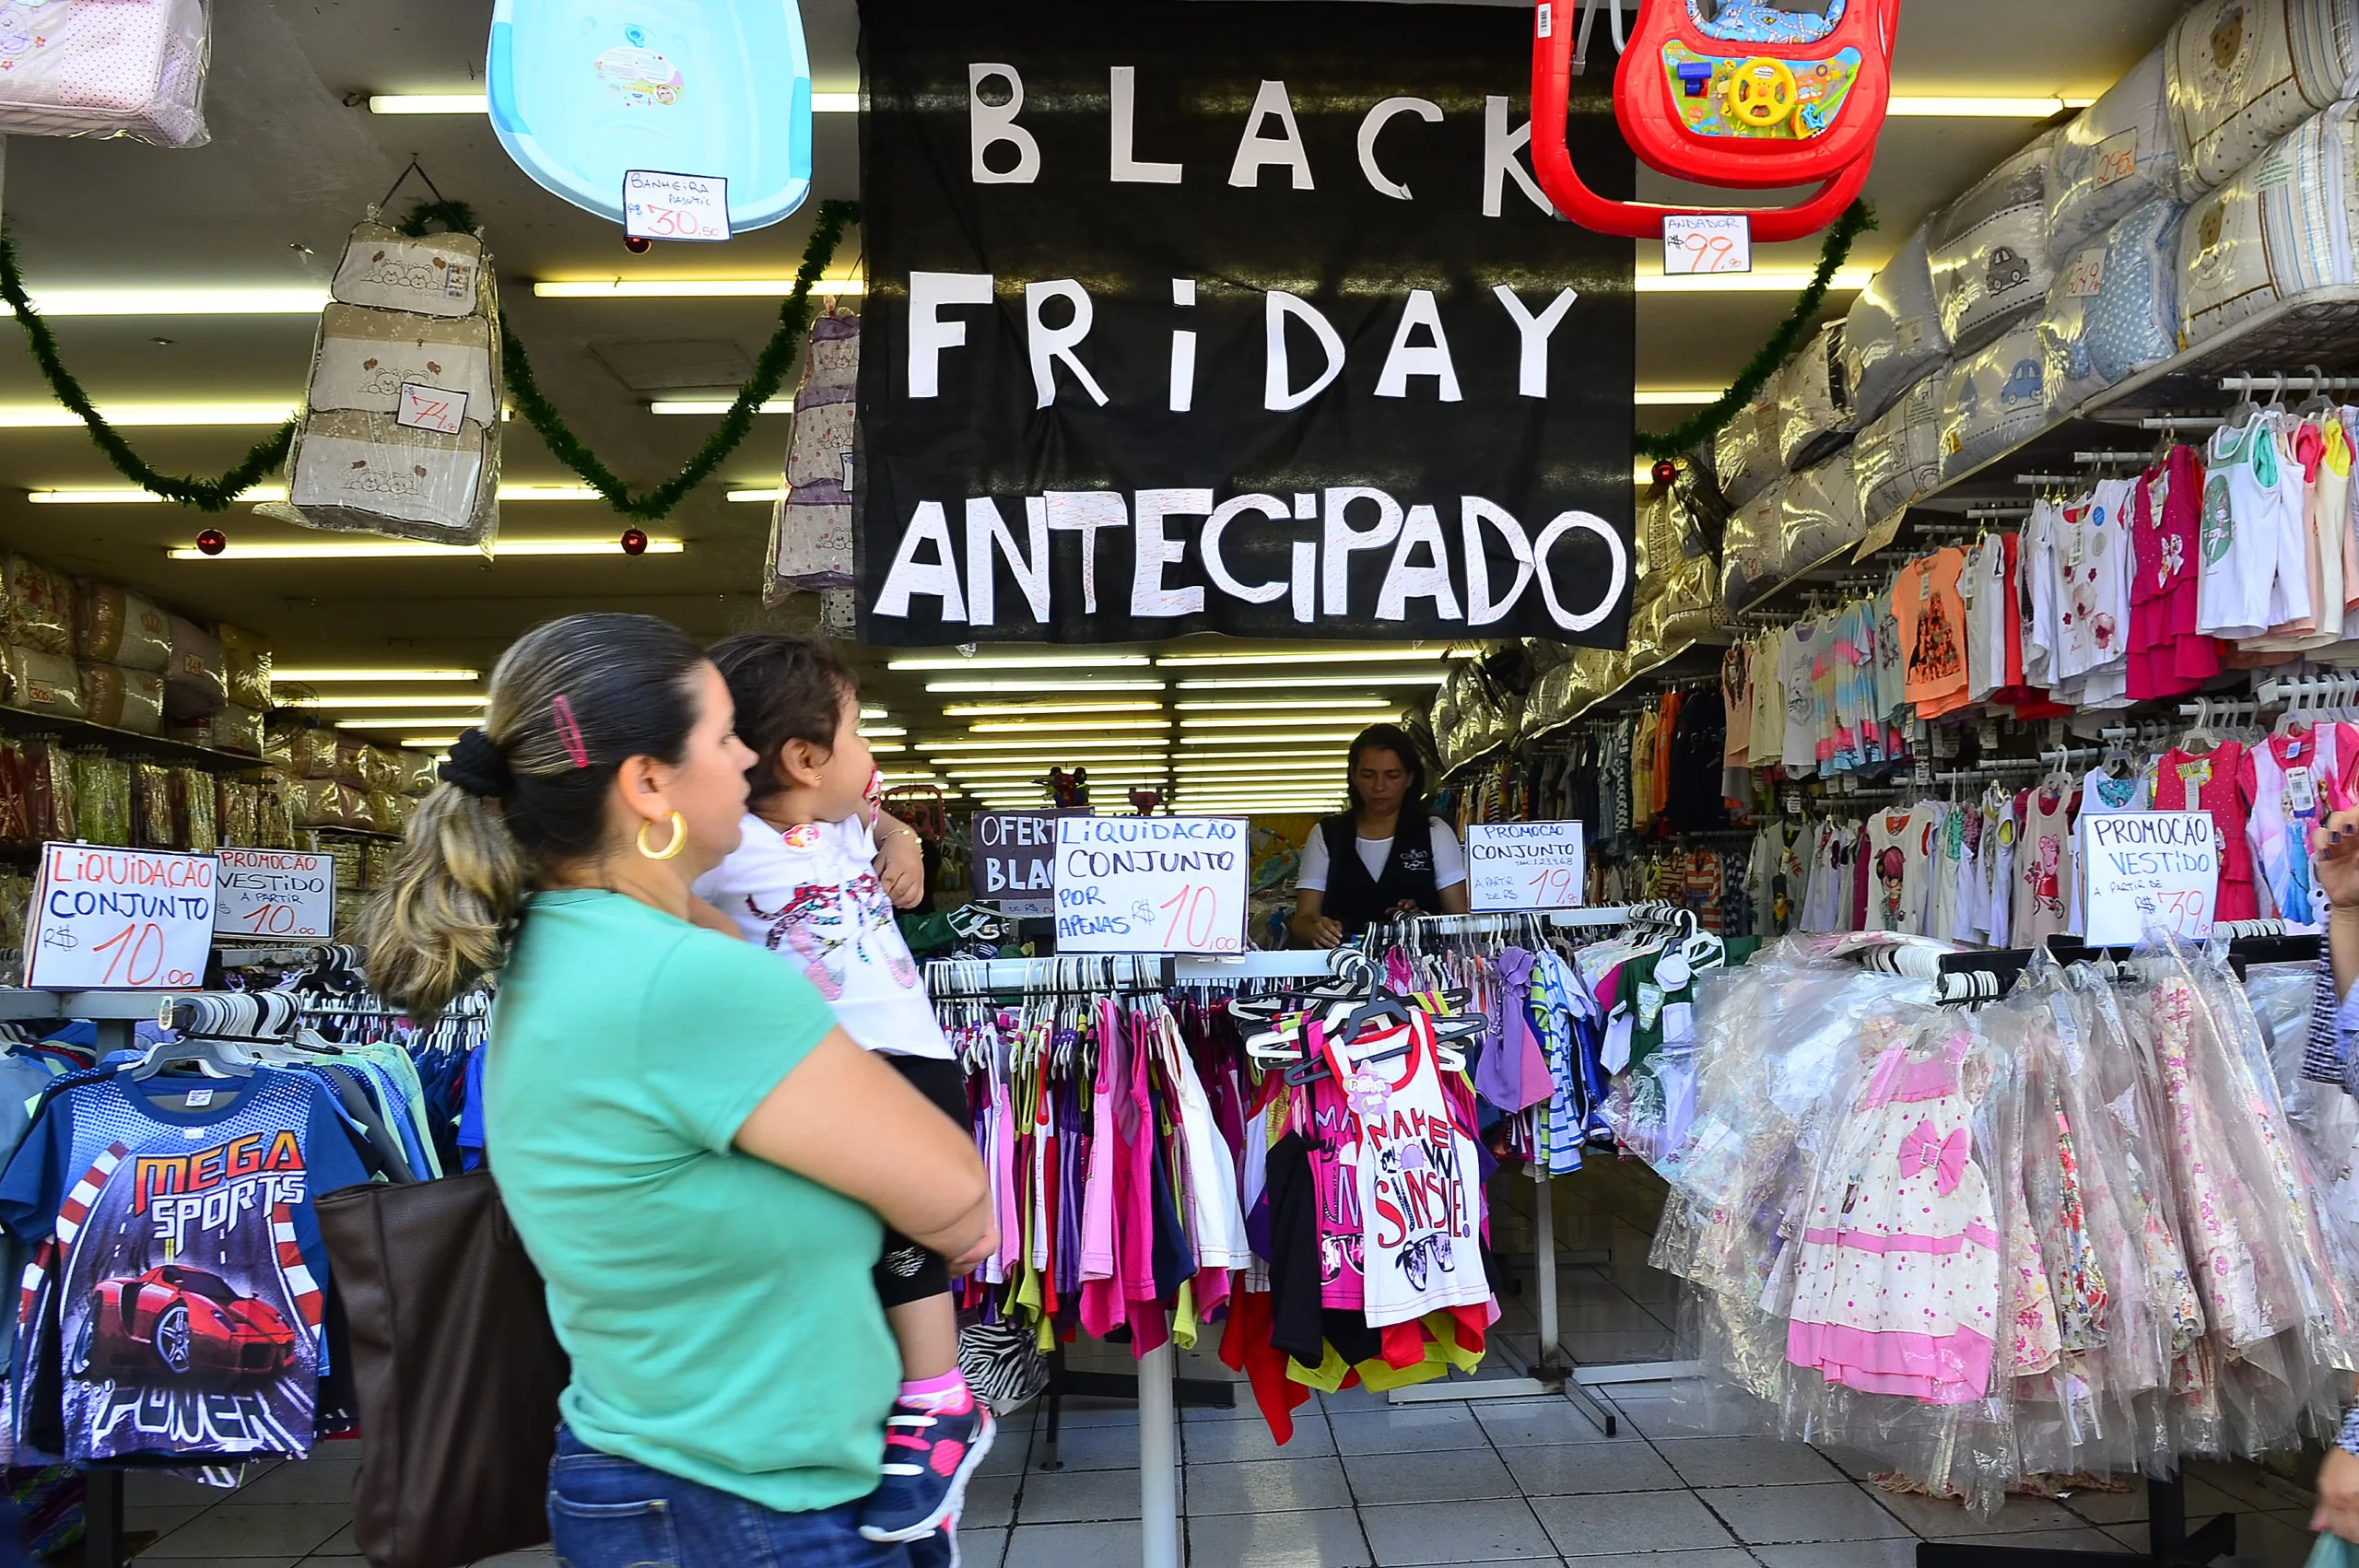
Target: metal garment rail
{"x":1553,"y":1372}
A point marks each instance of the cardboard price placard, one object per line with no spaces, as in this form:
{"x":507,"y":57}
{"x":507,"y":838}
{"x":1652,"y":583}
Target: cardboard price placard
{"x":283,"y":894}
{"x":2142,"y":866}
{"x":1015,"y":861}
{"x":117,"y":919}
{"x":1150,"y":884}
{"x":1525,"y":865}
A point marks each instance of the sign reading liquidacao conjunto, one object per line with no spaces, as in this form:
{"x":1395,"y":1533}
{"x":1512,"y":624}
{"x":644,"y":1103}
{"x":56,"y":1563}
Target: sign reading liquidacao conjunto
{"x":1232,"y":317}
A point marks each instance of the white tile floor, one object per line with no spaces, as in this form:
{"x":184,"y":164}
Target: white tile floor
{"x":1367,"y":1485}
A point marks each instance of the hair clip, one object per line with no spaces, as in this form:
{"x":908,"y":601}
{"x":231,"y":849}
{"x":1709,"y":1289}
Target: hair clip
{"x":569,"y":732}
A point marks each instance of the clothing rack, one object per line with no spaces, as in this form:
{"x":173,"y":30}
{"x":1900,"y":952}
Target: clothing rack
{"x":1121,"y":973}
{"x":2312,"y":382}
{"x":115,"y":1016}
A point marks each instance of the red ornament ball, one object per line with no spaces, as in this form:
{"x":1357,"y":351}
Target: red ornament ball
{"x":1666,"y":471}
{"x":637,"y":245}
{"x":212,"y":542}
{"x":634,"y":542}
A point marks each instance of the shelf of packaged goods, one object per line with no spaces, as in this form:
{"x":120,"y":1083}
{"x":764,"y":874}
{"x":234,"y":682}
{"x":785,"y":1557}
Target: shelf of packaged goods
{"x":123,"y":743}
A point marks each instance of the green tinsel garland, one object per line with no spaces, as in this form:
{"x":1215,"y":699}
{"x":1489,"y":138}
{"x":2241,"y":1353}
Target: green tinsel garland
{"x":1707,"y":423}
{"x":770,"y":372}
{"x":204,"y":495}
{"x":456,"y":216}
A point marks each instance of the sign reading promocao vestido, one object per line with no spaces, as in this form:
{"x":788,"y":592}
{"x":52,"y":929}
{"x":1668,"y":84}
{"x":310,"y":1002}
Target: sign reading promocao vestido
{"x":1232,"y":316}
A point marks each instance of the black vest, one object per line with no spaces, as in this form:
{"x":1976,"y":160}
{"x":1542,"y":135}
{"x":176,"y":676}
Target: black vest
{"x":1353,"y":898}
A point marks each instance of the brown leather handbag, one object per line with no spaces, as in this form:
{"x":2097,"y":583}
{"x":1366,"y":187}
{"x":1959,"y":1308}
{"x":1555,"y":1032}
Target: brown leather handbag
{"x":457,"y":1369}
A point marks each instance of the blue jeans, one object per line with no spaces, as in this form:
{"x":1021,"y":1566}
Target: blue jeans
{"x":606,"y":1512}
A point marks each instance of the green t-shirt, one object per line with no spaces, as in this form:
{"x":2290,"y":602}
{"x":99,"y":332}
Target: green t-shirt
{"x":718,"y":1309}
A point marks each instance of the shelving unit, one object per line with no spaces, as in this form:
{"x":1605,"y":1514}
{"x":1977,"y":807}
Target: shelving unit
{"x":125,"y":744}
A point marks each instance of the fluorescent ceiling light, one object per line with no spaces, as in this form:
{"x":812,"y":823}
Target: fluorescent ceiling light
{"x":889,"y":748}
{"x":474,"y":704}
{"x":300,"y":300}
{"x":1264,"y":705}
{"x":1064,"y":726}
{"x":972,"y":688}
{"x":757,"y":494}
{"x":1142,"y":746}
{"x":875,"y":713}
{"x":1019,"y":710}
{"x":1264,"y":754}
{"x":722,"y":405}
{"x":1782,"y":280}
{"x":388,"y":549}
{"x":690,"y":288}
{"x":414,"y":721}
{"x":307,"y":675}
{"x":871,"y":731}
{"x":1041,"y":762}
{"x":133,"y":495}
{"x":1286,"y":683}
{"x":1385,"y":716}
{"x":1676,"y":397}
{"x":432,"y":744}
{"x":1349,"y":656}
{"x":57,"y":416}
{"x":480,"y":103}
{"x":1022,"y":662}
{"x":1913,"y":106}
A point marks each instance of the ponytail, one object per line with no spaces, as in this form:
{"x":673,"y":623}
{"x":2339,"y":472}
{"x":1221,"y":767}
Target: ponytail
{"x":570,"y":702}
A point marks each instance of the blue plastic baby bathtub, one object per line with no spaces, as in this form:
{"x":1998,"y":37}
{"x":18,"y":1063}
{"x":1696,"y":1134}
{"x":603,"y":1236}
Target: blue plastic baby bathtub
{"x":584,"y":91}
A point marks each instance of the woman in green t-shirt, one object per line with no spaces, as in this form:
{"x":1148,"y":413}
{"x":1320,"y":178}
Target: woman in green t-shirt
{"x":697,"y":1159}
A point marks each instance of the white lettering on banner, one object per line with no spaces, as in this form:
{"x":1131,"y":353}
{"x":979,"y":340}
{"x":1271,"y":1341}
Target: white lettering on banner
{"x":1373,"y":127}
{"x":1183,"y":349}
{"x":1525,"y":865}
{"x":1257,"y":151}
{"x":1270,"y":138}
{"x":1050,"y":345}
{"x":281,"y":893}
{"x":992,"y":123}
{"x":2143,"y":867}
{"x":1150,"y":884}
{"x":1430,"y":358}
{"x":926,"y":564}
{"x":117,"y":919}
{"x":1277,"y":389}
{"x":1531,"y":374}
{"x":1126,"y":168}
{"x":929,"y":293}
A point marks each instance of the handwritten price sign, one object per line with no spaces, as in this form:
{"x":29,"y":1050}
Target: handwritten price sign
{"x":2162,"y":867}
{"x":1526,"y":865}
{"x":1718,"y":242}
{"x":431,"y":408}
{"x":117,"y":919}
{"x":1150,"y":884}
{"x":278,"y":894}
{"x":675,"y":206}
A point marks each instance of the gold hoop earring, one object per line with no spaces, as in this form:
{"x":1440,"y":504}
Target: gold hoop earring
{"x":679,"y":839}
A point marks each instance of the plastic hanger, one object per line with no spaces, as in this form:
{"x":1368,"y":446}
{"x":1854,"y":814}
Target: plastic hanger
{"x":212,"y":1058}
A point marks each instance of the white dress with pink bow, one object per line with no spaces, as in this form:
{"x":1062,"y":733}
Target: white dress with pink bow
{"x":1898,"y":1276}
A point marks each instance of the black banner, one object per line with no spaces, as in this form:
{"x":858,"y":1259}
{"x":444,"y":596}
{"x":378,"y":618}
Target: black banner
{"x":1233,"y":316}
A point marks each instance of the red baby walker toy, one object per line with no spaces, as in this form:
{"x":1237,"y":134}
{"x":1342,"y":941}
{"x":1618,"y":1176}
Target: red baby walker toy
{"x":1746,"y":94}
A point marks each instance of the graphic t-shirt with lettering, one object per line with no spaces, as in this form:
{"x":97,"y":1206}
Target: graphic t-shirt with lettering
{"x":810,"y":895}
{"x":173,"y":1301}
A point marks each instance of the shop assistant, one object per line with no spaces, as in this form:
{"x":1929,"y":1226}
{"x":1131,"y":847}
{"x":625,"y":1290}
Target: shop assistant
{"x":1383,"y":857}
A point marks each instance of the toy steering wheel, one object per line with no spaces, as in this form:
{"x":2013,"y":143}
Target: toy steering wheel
{"x":1761,"y":93}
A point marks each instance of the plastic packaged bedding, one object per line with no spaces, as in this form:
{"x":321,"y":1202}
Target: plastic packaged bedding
{"x":1894,"y":333}
{"x":40,"y":605}
{"x":1819,"y":512}
{"x":2114,"y":155}
{"x":1993,"y":399}
{"x":2242,"y":73}
{"x":1753,"y":551}
{"x":2280,"y":228}
{"x":130,"y":68}
{"x":1745,"y":455}
{"x":1897,"y":456}
{"x":377,"y":452}
{"x":122,"y":628}
{"x":1814,"y":411}
{"x":1988,"y":249}
{"x":2113,"y":309}
{"x":42,"y":683}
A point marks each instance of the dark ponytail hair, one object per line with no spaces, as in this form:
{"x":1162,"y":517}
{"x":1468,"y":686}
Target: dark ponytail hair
{"x":570,"y":702}
{"x":1401,"y":743}
{"x":786,"y":689}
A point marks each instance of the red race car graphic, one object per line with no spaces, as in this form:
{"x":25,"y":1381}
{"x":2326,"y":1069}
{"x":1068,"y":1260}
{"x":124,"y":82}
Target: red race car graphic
{"x":184,"y":1323}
